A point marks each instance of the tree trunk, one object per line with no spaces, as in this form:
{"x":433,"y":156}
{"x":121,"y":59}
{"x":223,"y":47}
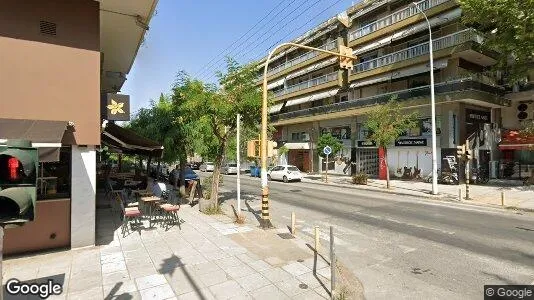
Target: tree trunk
{"x":387,"y":167}
{"x":148,"y":166}
{"x":182,"y":177}
{"x":216,"y":174}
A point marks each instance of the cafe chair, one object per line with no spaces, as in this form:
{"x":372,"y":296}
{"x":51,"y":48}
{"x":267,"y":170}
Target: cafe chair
{"x":170,"y":214}
{"x":130,"y":216}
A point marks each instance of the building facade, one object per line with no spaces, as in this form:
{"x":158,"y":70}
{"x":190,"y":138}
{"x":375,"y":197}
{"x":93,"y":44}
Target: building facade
{"x":57,"y":58}
{"x":312,"y":95}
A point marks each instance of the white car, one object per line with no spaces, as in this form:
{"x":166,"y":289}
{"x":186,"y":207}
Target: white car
{"x":284,"y":172}
{"x":207,"y":167}
{"x":229,"y":169}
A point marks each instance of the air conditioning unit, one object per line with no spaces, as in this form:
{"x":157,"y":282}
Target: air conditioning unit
{"x":306,"y":137}
{"x":525,"y":111}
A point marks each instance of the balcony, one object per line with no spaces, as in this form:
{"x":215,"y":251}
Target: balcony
{"x":394,"y":18}
{"x":300,"y":59}
{"x":307,"y":84}
{"x":441,"y":43}
{"x":464,"y":86}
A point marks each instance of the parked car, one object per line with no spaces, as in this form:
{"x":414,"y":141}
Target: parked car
{"x":207,"y":167}
{"x":229,"y":169}
{"x":195,"y":165}
{"x":284,"y":172}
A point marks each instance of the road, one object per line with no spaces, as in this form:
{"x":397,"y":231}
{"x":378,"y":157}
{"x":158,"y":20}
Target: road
{"x":402,"y":247}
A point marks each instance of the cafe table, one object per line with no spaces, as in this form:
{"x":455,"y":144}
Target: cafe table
{"x":150,"y":202}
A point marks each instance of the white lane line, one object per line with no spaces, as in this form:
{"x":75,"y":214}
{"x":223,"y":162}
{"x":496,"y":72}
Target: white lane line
{"x":403,"y":223}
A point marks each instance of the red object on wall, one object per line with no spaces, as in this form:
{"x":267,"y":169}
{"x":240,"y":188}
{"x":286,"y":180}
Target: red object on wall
{"x":382,"y":171}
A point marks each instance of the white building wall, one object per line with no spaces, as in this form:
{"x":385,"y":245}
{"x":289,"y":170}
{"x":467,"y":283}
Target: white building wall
{"x":83,"y":196}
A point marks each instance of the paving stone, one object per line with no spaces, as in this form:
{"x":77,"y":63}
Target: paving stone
{"x":270,"y":292}
{"x":274,"y":261}
{"x":206,"y":267}
{"x":276,"y":275}
{"x":309,"y":295}
{"x":150,"y":281}
{"x":239,"y":271}
{"x":312,"y":281}
{"x":252,"y":282}
{"x":227,"y":290}
{"x":119,"y":288}
{"x":113,"y":267}
{"x":157,"y":293}
{"x":228,"y":262}
{"x":259,"y":265}
{"x":212,"y":278}
{"x":296,"y":269}
{"x":290,"y":287}
{"x":94,"y":293}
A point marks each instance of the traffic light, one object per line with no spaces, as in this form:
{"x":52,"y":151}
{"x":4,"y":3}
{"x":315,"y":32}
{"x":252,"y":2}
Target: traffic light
{"x":270,"y":148}
{"x":345,"y":62}
{"x":460,"y":151}
{"x":19,"y":164}
{"x":253,"y":148}
{"x":468,"y":155}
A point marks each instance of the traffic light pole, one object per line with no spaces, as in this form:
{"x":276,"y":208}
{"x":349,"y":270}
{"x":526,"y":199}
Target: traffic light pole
{"x":467,"y":171}
{"x":265,"y":217}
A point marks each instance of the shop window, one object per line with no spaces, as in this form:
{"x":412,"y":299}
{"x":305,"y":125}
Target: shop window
{"x":54,"y":178}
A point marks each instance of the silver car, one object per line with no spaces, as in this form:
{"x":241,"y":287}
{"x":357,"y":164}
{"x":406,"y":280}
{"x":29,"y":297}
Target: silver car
{"x":229,"y":169}
{"x":207,"y":167}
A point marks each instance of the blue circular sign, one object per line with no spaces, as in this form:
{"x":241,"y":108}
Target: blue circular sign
{"x":327,"y":150}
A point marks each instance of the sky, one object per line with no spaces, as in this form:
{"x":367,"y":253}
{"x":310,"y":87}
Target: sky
{"x":192,"y":36}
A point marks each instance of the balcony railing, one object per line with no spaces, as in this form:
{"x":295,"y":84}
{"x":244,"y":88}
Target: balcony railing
{"x":307,"y":84}
{"x":393,"y":18}
{"x":419,"y":50}
{"x":466,"y":84}
{"x":304,"y":57}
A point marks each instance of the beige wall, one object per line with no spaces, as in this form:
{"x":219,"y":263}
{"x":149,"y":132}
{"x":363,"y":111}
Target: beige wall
{"x":47,"y":77}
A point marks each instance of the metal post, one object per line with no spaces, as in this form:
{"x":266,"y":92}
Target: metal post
{"x":293,"y":221}
{"x":238,"y":167}
{"x":332,"y":264}
{"x":326,"y":176}
{"x":266,"y":219}
{"x":1,"y":260}
{"x":502,"y":198}
{"x":459,"y":194}
{"x":432,"y":107}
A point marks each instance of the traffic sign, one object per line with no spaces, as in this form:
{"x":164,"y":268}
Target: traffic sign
{"x":327,"y":150}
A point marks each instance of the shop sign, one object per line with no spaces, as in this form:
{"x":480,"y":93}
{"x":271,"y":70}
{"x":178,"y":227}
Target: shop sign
{"x":366,"y":144}
{"x":477,"y":116}
{"x":116,"y":107}
{"x":411,"y":142}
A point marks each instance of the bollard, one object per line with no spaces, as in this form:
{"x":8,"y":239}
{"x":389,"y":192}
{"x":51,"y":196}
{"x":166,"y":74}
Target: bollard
{"x":317,"y":239}
{"x":502,"y":198}
{"x":293,"y":230}
{"x":459,"y":194}
{"x":332,"y":264}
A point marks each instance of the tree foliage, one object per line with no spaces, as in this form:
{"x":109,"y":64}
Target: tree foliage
{"x":386,"y":123}
{"x":211,"y":112}
{"x":328,"y":140}
{"x":509,"y":26}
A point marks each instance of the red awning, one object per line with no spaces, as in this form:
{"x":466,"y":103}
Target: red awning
{"x":513,"y":140}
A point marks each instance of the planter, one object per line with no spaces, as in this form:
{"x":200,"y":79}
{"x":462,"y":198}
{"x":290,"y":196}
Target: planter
{"x":203,"y":204}
{"x":360,"y":178}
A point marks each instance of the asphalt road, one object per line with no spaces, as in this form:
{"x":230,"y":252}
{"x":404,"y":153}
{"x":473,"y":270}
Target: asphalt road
{"x":402,"y":247}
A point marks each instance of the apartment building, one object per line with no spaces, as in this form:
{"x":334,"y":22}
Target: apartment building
{"x":311,"y":95}
{"x":59,"y":59}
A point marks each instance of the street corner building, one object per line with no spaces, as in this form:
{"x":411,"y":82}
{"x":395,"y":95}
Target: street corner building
{"x":312,"y":95}
{"x":61,"y":62}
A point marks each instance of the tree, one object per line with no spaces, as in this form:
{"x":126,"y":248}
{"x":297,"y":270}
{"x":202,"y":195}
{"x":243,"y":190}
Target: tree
{"x":328,"y":140}
{"x":211,"y":112}
{"x":508,"y":25}
{"x":528,"y":128}
{"x":386,"y":123}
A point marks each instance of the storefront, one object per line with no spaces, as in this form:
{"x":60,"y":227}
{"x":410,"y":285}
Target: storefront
{"x":517,"y":155}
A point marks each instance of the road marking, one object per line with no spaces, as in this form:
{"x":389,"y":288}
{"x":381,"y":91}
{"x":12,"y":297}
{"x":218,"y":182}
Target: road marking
{"x":403,"y":223}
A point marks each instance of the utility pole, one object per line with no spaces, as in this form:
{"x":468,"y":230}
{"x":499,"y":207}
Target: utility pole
{"x":345,"y":60}
{"x":238,"y":167}
{"x":467,"y":171}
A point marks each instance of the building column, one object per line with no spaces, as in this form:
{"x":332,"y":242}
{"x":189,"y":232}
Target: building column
{"x":314,"y":157}
{"x":83,"y":197}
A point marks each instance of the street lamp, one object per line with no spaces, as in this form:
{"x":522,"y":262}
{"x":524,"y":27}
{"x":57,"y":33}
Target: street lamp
{"x":346,"y":57}
{"x":432,"y":107}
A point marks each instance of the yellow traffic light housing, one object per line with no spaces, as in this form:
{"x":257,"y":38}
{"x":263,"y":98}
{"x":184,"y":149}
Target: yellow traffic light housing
{"x":346,"y":62}
{"x":253,"y":148}
{"x":468,"y":155}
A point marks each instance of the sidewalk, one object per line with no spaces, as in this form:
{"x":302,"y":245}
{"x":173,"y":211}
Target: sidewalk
{"x":208,"y":258}
{"x":516,"y":195}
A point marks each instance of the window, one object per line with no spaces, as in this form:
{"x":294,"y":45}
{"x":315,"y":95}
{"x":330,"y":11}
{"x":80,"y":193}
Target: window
{"x":54,"y":178}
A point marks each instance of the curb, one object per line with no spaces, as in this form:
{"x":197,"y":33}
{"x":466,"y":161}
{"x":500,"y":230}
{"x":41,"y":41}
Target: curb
{"x":443,"y":198}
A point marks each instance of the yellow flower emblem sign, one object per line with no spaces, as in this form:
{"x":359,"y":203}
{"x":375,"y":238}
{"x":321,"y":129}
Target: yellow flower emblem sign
{"x":116,"y":107}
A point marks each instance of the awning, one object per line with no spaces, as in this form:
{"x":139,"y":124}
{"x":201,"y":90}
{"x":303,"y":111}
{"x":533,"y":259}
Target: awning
{"x":313,"y":67}
{"x":513,"y":140}
{"x":313,"y":97}
{"x":126,"y":141}
{"x":438,"y":64}
{"x":276,"y":83}
{"x":276,"y":108}
{"x":44,"y":135}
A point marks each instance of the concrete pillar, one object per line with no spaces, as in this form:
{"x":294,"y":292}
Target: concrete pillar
{"x":83,"y":197}
{"x":314,"y":137}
